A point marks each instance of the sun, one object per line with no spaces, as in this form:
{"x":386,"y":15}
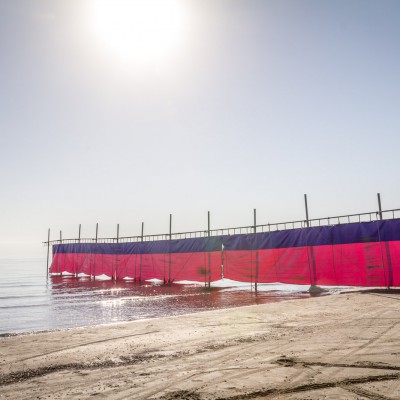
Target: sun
{"x":139,"y":31}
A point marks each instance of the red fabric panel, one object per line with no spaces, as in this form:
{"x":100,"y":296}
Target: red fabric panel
{"x":356,"y":264}
{"x":63,"y":263}
{"x":94,"y":264}
{"x":292,"y":265}
{"x":196,"y":266}
{"x":324,"y":266}
{"x":277,"y":265}
{"x":267,"y":266}
{"x":184,"y":266}
{"x":391,"y":250}
{"x":239,"y":265}
{"x":359,"y":264}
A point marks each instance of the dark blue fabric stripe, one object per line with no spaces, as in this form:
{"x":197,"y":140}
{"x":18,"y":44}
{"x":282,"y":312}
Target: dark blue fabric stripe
{"x":193,"y":245}
{"x":363,"y":232}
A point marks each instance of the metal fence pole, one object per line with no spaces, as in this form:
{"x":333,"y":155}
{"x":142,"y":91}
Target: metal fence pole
{"x":116,"y":257}
{"x":58,"y":264}
{"x":169,"y":252}
{"x":97,"y":230}
{"x":48,"y":253}
{"x":141,"y":255}
{"x":255,"y":242}
{"x":209,"y":255}
{"x":306,"y":205}
{"x":79,"y":240}
{"x":310,"y":252}
{"x":380,"y":206}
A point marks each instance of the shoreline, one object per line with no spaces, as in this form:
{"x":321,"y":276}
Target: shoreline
{"x":227,"y":299}
{"x":335,"y":346}
{"x":326,"y":291}
{"x":27,"y":333}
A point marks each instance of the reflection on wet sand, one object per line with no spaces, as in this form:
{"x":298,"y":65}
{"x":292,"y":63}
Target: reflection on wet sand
{"x":79,"y":301}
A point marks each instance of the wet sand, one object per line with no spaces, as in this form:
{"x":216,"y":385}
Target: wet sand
{"x":343,"y":346}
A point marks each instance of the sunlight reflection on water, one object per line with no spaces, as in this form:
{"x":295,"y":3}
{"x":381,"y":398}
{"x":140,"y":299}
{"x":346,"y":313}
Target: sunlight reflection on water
{"x":29,"y":302}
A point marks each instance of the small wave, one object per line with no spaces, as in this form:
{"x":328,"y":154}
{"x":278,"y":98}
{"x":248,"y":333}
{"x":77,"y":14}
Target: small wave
{"x":25,"y":306}
{"x":8,"y":334}
{"x":14,"y":297}
{"x":17,"y":285}
{"x":152,"y":298}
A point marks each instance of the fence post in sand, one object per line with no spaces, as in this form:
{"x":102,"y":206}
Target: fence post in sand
{"x":58,"y":267}
{"x":95,"y":240}
{"x":116,"y":257}
{"x":306,"y":205}
{"x":141,"y":256}
{"x":169,"y":250}
{"x":310,"y":255}
{"x":380,"y":206}
{"x":79,"y":240}
{"x":48,"y":253}
{"x":209,"y":255}
{"x":388,"y":255}
{"x":255,"y":242}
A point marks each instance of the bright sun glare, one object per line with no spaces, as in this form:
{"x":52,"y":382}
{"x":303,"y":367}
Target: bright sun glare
{"x":139,"y":31}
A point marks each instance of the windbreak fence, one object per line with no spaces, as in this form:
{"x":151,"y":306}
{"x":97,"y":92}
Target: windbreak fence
{"x":351,"y":254}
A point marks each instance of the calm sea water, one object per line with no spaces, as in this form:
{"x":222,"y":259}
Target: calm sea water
{"x":29,"y":301}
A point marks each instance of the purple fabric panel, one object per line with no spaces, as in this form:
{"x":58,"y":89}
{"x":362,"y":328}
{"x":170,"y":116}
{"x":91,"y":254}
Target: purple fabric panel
{"x":193,"y":245}
{"x":363,"y":232}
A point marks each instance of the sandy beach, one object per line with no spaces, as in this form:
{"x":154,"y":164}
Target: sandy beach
{"x":344,"y":346}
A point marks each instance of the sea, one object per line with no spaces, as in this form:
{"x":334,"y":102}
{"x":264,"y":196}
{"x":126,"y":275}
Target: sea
{"x":32,"y":301}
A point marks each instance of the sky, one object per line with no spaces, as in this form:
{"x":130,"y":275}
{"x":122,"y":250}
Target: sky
{"x":123,"y":112}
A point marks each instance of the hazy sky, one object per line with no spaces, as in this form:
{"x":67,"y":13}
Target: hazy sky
{"x":127,"y":114}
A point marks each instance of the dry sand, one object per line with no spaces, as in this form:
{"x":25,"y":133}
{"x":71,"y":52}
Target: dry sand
{"x":344,"y":346}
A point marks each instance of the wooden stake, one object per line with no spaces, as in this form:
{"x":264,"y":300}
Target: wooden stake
{"x":255,"y":239}
{"x":380,"y":206}
{"x":169,"y":254}
{"x":209,"y":255}
{"x":48,"y":253}
{"x":306,"y":205}
{"x":79,"y":240}
{"x":141,"y":256}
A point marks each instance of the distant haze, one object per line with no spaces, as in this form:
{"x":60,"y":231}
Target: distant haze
{"x":222,"y":105}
